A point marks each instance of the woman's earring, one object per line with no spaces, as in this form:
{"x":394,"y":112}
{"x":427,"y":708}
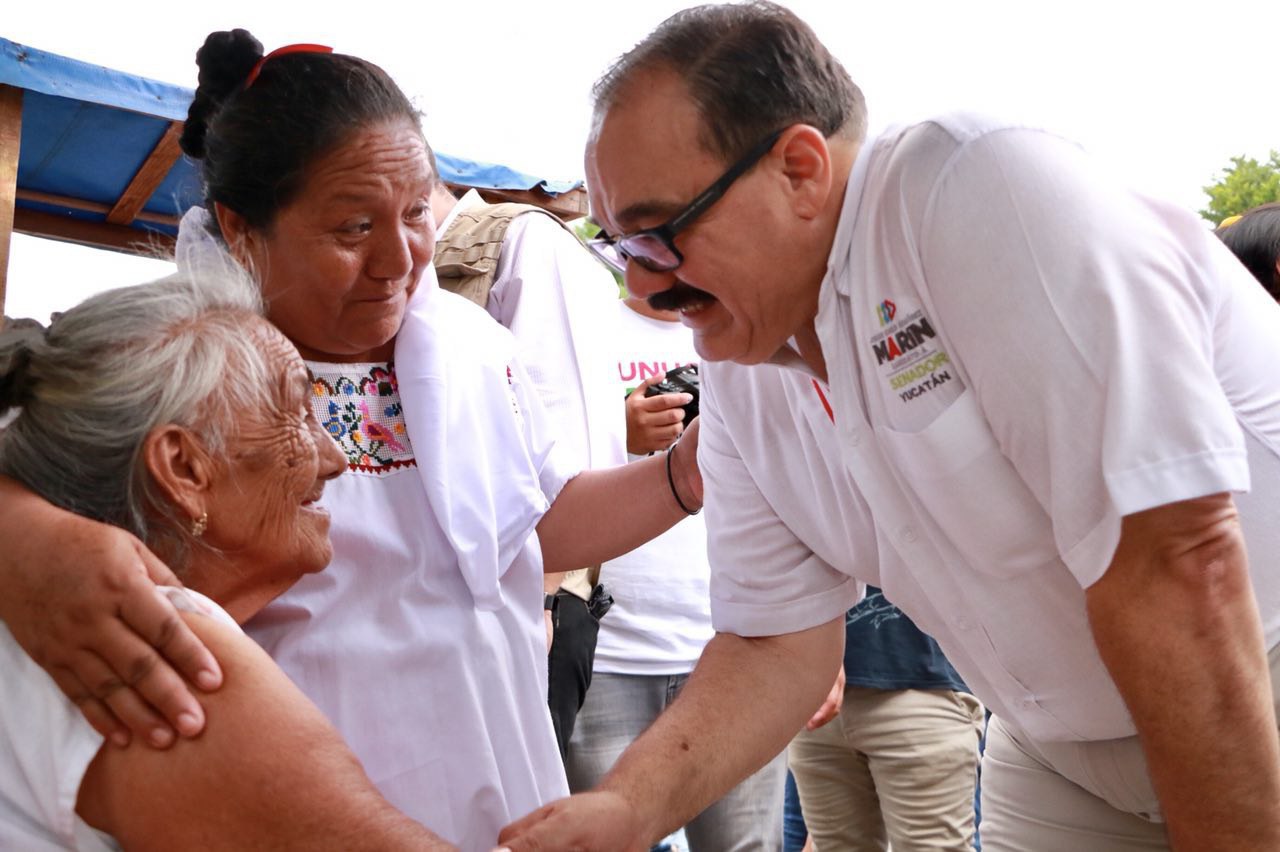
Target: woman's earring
{"x":199,"y":525}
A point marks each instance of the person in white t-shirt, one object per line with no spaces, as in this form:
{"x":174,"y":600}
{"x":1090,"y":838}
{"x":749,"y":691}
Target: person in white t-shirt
{"x":1037,"y":409}
{"x":661,"y":616}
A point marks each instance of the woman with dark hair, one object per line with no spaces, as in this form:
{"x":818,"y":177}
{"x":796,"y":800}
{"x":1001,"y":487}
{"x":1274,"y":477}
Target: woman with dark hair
{"x":424,"y":642}
{"x":1255,"y":238}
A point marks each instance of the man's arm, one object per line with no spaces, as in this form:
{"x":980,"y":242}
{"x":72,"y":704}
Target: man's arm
{"x":79,"y":597}
{"x":744,"y":702}
{"x":269,"y":772}
{"x":1177,"y":625}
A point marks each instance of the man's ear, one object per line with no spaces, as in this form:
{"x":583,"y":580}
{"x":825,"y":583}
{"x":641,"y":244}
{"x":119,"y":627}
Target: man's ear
{"x":241,"y":239}
{"x":806,"y":164}
{"x":180,"y":468}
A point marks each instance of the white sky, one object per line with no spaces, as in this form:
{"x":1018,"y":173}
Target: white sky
{"x":1165,"y":92}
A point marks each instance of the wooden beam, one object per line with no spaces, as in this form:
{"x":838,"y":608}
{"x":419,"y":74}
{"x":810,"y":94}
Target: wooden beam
{"x":149,"y":177}
{"x":10,"y":143}
{"x":92,"y":206}
{"x":94,"y":234}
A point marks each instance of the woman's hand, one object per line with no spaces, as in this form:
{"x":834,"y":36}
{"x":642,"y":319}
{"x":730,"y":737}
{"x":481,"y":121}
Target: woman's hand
{"x":654,"y":422}
{"x":79,"y":597}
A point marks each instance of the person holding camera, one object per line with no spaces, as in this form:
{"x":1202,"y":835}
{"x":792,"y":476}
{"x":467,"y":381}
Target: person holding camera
{"x":661,"y":617}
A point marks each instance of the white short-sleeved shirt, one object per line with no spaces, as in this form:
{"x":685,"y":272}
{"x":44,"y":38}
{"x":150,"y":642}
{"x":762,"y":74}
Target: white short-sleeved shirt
{"x":1019,"y":353}
{"x":47,"y":747}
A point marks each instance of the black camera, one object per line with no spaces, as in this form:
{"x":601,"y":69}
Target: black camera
{"x":679,"y":380}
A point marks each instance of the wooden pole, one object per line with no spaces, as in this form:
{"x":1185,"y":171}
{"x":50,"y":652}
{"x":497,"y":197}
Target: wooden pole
{"x":10,"y":142}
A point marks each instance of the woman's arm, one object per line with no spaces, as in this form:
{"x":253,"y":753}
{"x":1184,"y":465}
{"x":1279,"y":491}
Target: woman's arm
{"x":602,"y":514}
{"x":269,"y":772}
{"x":79,"y":597}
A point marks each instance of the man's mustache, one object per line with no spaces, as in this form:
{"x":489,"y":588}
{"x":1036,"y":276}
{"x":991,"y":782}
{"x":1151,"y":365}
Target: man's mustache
{"x":678,"y":296}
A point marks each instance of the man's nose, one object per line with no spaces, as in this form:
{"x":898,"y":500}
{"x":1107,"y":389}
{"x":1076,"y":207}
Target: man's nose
{"x":643,"y":283}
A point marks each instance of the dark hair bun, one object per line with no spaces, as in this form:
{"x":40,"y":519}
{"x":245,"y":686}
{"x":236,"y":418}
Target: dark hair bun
{"x":17,"y":341}
{"x":224,"y":61}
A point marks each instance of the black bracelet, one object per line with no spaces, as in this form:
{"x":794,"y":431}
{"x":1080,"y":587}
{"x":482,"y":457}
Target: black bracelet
{"x":672,"y":482}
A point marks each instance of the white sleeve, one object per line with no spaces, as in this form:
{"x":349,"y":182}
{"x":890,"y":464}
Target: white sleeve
{"x":559,"y":302}
{"x":1084,"y":317}
{"x":765,"y":581}
{"x":555,"y":466}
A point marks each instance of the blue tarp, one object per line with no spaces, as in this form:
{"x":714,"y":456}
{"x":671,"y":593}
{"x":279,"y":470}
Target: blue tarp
{"x":86,"y":130}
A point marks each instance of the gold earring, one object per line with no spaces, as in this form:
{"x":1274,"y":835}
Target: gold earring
{"x":199,"y":525}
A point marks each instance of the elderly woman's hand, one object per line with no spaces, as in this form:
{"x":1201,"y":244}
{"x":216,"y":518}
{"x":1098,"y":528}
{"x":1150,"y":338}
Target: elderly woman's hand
{"x":80,"y":598}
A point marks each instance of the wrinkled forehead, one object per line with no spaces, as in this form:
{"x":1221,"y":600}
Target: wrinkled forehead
{"x":645,"y":160}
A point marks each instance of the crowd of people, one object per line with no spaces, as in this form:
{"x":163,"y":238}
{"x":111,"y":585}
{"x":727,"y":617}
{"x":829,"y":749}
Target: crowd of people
{"x":373,"y":528}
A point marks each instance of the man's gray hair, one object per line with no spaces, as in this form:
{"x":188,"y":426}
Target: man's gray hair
{"x":181,"y":350}
{"x":752,"y":69}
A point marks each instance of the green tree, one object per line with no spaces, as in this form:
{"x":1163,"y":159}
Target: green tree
{"x":1243,"y":186}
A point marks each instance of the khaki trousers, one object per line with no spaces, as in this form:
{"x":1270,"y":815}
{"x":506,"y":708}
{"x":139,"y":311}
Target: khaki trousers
{"x":1071,"y":797}
{"x":895,"y":766}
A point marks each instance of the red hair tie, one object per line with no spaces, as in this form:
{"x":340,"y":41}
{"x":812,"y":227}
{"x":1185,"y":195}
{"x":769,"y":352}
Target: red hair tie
{"x":281,"y":51}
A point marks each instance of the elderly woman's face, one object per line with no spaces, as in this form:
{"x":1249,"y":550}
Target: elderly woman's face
{"x":263,"y":509}
{"x":339,"y":262}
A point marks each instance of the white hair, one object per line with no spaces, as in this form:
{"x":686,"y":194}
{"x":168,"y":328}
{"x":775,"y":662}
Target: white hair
{"x":180,"y":350}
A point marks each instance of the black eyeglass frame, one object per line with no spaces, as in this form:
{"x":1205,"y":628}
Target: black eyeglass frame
{"x":666,"y":232}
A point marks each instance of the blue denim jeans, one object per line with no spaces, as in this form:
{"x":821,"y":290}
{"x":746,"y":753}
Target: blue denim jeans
{"x":618,"y":709}
{"x":794,"y":833}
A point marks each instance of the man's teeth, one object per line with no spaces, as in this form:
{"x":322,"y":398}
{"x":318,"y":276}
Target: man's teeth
{"x":693,"y":308}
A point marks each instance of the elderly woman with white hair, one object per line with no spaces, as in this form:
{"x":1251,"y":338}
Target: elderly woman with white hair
{"x":126,"y":415}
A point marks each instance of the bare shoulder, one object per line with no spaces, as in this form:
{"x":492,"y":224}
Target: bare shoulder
{"x":268,"y":771}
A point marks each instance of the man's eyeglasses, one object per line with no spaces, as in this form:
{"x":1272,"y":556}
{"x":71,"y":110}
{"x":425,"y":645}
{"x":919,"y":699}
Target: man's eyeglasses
{"x":655,"y":248}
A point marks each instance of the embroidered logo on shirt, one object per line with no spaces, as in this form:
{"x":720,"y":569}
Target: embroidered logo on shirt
{"x":886,"y":311}
{"x":908,"y":353}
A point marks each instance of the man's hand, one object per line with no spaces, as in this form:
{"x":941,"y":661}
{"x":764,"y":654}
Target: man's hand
{"x":831,"y":707}
{"x":79,"y":597}
{"x":598,"y":821}
{"x":654,"y":422}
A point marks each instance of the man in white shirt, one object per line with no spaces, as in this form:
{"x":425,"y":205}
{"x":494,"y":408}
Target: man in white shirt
{"x":1039,"y":411}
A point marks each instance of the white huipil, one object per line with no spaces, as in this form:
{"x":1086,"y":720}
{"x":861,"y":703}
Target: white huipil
{"x":423,"y":640}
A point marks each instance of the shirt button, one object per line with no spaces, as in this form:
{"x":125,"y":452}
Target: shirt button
{"x":963,"y":623}
{"x":1027,"y":703}
{"x":908,"y":534}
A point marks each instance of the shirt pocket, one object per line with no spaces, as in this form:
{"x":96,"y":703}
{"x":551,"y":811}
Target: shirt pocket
{"x":971,"y":492}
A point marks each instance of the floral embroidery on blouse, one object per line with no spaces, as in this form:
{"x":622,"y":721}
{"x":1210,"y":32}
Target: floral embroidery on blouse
{"x":359,"y":406}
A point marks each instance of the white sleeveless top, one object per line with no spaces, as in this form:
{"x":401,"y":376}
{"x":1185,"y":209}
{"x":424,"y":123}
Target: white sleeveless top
{"x":47,"y":746}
